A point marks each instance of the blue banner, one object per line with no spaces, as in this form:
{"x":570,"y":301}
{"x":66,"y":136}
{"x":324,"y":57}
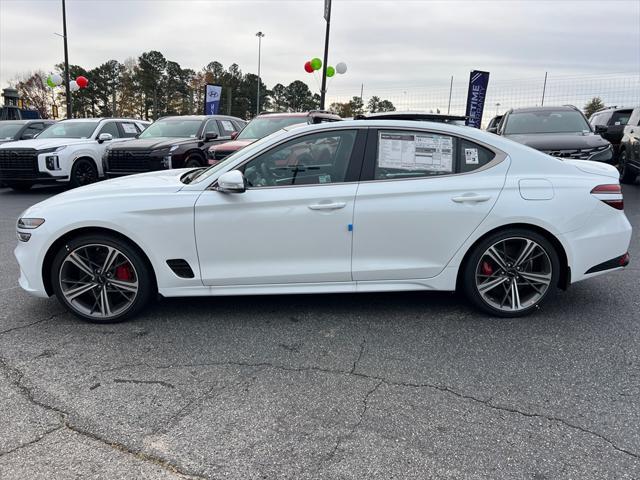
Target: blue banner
{"x":478,"y":82}
{"x":212,"y":99}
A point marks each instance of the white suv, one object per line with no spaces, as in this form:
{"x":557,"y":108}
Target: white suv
{"x":68,"y":151}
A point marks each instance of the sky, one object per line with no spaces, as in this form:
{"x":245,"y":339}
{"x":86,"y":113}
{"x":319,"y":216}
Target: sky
{"x":389,"y":46}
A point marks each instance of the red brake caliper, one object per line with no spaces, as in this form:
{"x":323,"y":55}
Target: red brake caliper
{"x":124,"y":272}
{"x":486,"y":268}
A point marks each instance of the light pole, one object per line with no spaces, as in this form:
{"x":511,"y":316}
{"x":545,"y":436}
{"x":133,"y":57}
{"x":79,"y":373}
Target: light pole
{"x":259,"y":35}
{"x":66,"y":62}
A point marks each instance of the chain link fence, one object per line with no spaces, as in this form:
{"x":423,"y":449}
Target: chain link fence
{"x":621,"y":89}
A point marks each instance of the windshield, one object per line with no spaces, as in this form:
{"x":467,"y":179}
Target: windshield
{"x":8,"y":130}
{"x":69,"y":130}
{"x":173,"y":127}
{"x":546,"y":121}
{"x":263,"y":126}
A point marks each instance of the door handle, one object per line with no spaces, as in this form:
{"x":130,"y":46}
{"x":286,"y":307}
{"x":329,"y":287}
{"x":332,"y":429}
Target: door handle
{"x":328,"y":206}
{"x":471,"y":198}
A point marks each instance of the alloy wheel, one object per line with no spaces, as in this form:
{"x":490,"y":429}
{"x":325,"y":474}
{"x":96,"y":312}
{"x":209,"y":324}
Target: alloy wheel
{"x":85,"y":174}
{"x":99,"y":281}
{"x":513,"y":274}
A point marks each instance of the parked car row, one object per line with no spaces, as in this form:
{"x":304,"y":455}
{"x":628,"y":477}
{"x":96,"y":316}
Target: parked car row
{"x":611,"y":135}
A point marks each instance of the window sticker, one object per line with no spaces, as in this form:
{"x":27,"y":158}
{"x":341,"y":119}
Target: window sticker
{"x":129,"y":128}
{"x":471,"y":156}
{"x":403,"y":151}
{"x":324,"y":178}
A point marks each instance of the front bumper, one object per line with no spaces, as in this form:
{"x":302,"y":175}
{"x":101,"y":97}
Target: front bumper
{"x":30,"y":256}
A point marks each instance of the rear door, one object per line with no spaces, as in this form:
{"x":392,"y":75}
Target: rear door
{"x":422,"y":194}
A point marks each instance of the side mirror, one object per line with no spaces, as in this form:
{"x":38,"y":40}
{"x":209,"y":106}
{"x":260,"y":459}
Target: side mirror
{"x":600,"y":129}
{"x":234,"y":135}
{"x":104,"y":137}
{"x":210,"y":136}
{"x":27,"y":136}
{"x":232,"y":182}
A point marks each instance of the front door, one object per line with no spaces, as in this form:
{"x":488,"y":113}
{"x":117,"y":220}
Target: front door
{"x":293,"y":224}
{"x":424,"y":194}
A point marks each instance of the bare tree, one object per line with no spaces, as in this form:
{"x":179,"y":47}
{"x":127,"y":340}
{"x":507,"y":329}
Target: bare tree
{"x":34,"y":92}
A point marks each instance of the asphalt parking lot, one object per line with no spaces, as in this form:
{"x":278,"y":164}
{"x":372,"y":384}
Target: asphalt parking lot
{"x":394,"y":385}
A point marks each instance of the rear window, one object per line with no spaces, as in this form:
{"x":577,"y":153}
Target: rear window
{"x":262,"y":126}
{"x":620,"y":117}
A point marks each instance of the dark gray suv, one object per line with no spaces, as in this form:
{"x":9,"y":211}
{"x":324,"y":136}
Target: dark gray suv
{"x":559,"y":131}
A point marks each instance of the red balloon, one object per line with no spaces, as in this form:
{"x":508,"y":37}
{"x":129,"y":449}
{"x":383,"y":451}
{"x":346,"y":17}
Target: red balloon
{"x":82,"y":81}
{"x":308,"y":68}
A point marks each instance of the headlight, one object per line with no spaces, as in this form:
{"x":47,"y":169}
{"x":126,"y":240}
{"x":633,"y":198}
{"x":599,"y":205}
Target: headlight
{"x":30,"y":223}
{"x":173,"y":148}
{"x":54,"y":149}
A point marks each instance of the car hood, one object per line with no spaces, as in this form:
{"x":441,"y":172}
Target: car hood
{"x":44,"y":143}
{"x":151,"y":143}
{"x":232,"y":146}
{"x":131,"y":185}
{"x":559,"y":141}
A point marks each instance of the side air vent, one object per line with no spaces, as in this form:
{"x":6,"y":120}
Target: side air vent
{"x":180,"y":267}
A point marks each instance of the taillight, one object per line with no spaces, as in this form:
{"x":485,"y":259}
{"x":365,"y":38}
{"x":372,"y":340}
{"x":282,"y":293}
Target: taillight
{"x":611,"y":194}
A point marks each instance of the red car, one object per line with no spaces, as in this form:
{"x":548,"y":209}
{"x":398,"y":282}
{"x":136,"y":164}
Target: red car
{"x":263,"y":125}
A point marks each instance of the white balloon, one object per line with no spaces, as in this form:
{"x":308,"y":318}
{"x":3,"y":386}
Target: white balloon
{"x":341,"y":68}
{"x":73,"y":86}
{"x":56,"y":78}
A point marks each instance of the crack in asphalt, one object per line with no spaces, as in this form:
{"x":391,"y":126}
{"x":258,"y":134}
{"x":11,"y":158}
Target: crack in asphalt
{"x":36,"y":440}
{"x":20,"y":327}
{"x":64,"y":422}
{"x":144,"y":382}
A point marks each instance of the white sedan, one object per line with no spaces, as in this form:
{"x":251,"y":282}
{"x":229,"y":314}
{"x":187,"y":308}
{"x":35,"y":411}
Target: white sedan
{"x":353,"y":206}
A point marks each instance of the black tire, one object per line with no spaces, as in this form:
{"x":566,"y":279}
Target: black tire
{"x":193,"y":161}
{"x":143,"y":273}
{"x":20,"y":186}
{"x":84,"y":172}
{"x":627,"y":174}
{"x":468,"y":280}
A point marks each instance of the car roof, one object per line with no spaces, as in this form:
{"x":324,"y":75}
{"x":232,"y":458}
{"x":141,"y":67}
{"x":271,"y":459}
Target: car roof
{"x":200,"y":117}
{"x":416,"y":116}
{"x":99,"y":119}
{"x":311,"y":113}
{"x":567,"y":108}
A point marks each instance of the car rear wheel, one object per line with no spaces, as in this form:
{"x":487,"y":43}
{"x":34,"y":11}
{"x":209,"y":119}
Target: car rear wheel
{"x":84,"y":172}
{"x":192,"y":162}
{"x":627,"y":173}
{"x":511,"y":273}
{"x":101,"y":279}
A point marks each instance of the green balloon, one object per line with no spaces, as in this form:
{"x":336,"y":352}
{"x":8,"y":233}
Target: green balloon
{"x":316,"y":63}
{"x":331,"y":71}
{"x":50,"y":82}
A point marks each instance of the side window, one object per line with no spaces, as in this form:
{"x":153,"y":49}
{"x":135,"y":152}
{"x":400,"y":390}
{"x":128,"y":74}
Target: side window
{"x":129,"y":129}
{"x":32,"y":130}
{"x":407,"y":154}
{"x":239,"y":125}
{"x":226,"y":128}
{"x":112,"y":128}
{"x":472,"y":156}
{"x":211,"y":127}
{"x":310,"y":160}
{"x":595,"y":119}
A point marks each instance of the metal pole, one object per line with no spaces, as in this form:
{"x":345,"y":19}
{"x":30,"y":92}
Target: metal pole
{"x":66,"y":62}
{"x":361,"y":92}
{"x":323,"y":90}
{"x":450,"y":90}
{"x":259,"y":35}
{"x":544,"y":88}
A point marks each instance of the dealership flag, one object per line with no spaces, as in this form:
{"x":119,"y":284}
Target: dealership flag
{"x":478,"y":82}
{"x":212,"y":99}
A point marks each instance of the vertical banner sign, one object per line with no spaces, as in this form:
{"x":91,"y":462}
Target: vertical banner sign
{"x":212,"y":99}
{"x":478,"y":82}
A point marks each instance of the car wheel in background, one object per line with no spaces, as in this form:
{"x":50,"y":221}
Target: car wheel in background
{"x":192,"y":162}
{"x":84,"y":172}
{"x":20,"y":186}
{"x":101,"y":279}
{"x":510,"y":273}
{"x":627,"y":173}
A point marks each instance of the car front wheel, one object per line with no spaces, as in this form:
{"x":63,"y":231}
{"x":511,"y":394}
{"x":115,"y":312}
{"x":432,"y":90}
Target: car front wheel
{"x":627,"y":173}
{"x":101,"y":279}
{"x":509,"y":274}
{"x":84,"y":172}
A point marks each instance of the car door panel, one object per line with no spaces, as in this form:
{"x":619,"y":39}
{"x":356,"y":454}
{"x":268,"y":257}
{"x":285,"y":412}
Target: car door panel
{"x":411,"y":228}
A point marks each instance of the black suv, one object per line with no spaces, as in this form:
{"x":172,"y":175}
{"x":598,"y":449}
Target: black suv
{"x":13,"y":130}
{"x":170,"y":142}
{"x":559,"y":131}
{"x":629,"y":158}
{"x":609,"y":123}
